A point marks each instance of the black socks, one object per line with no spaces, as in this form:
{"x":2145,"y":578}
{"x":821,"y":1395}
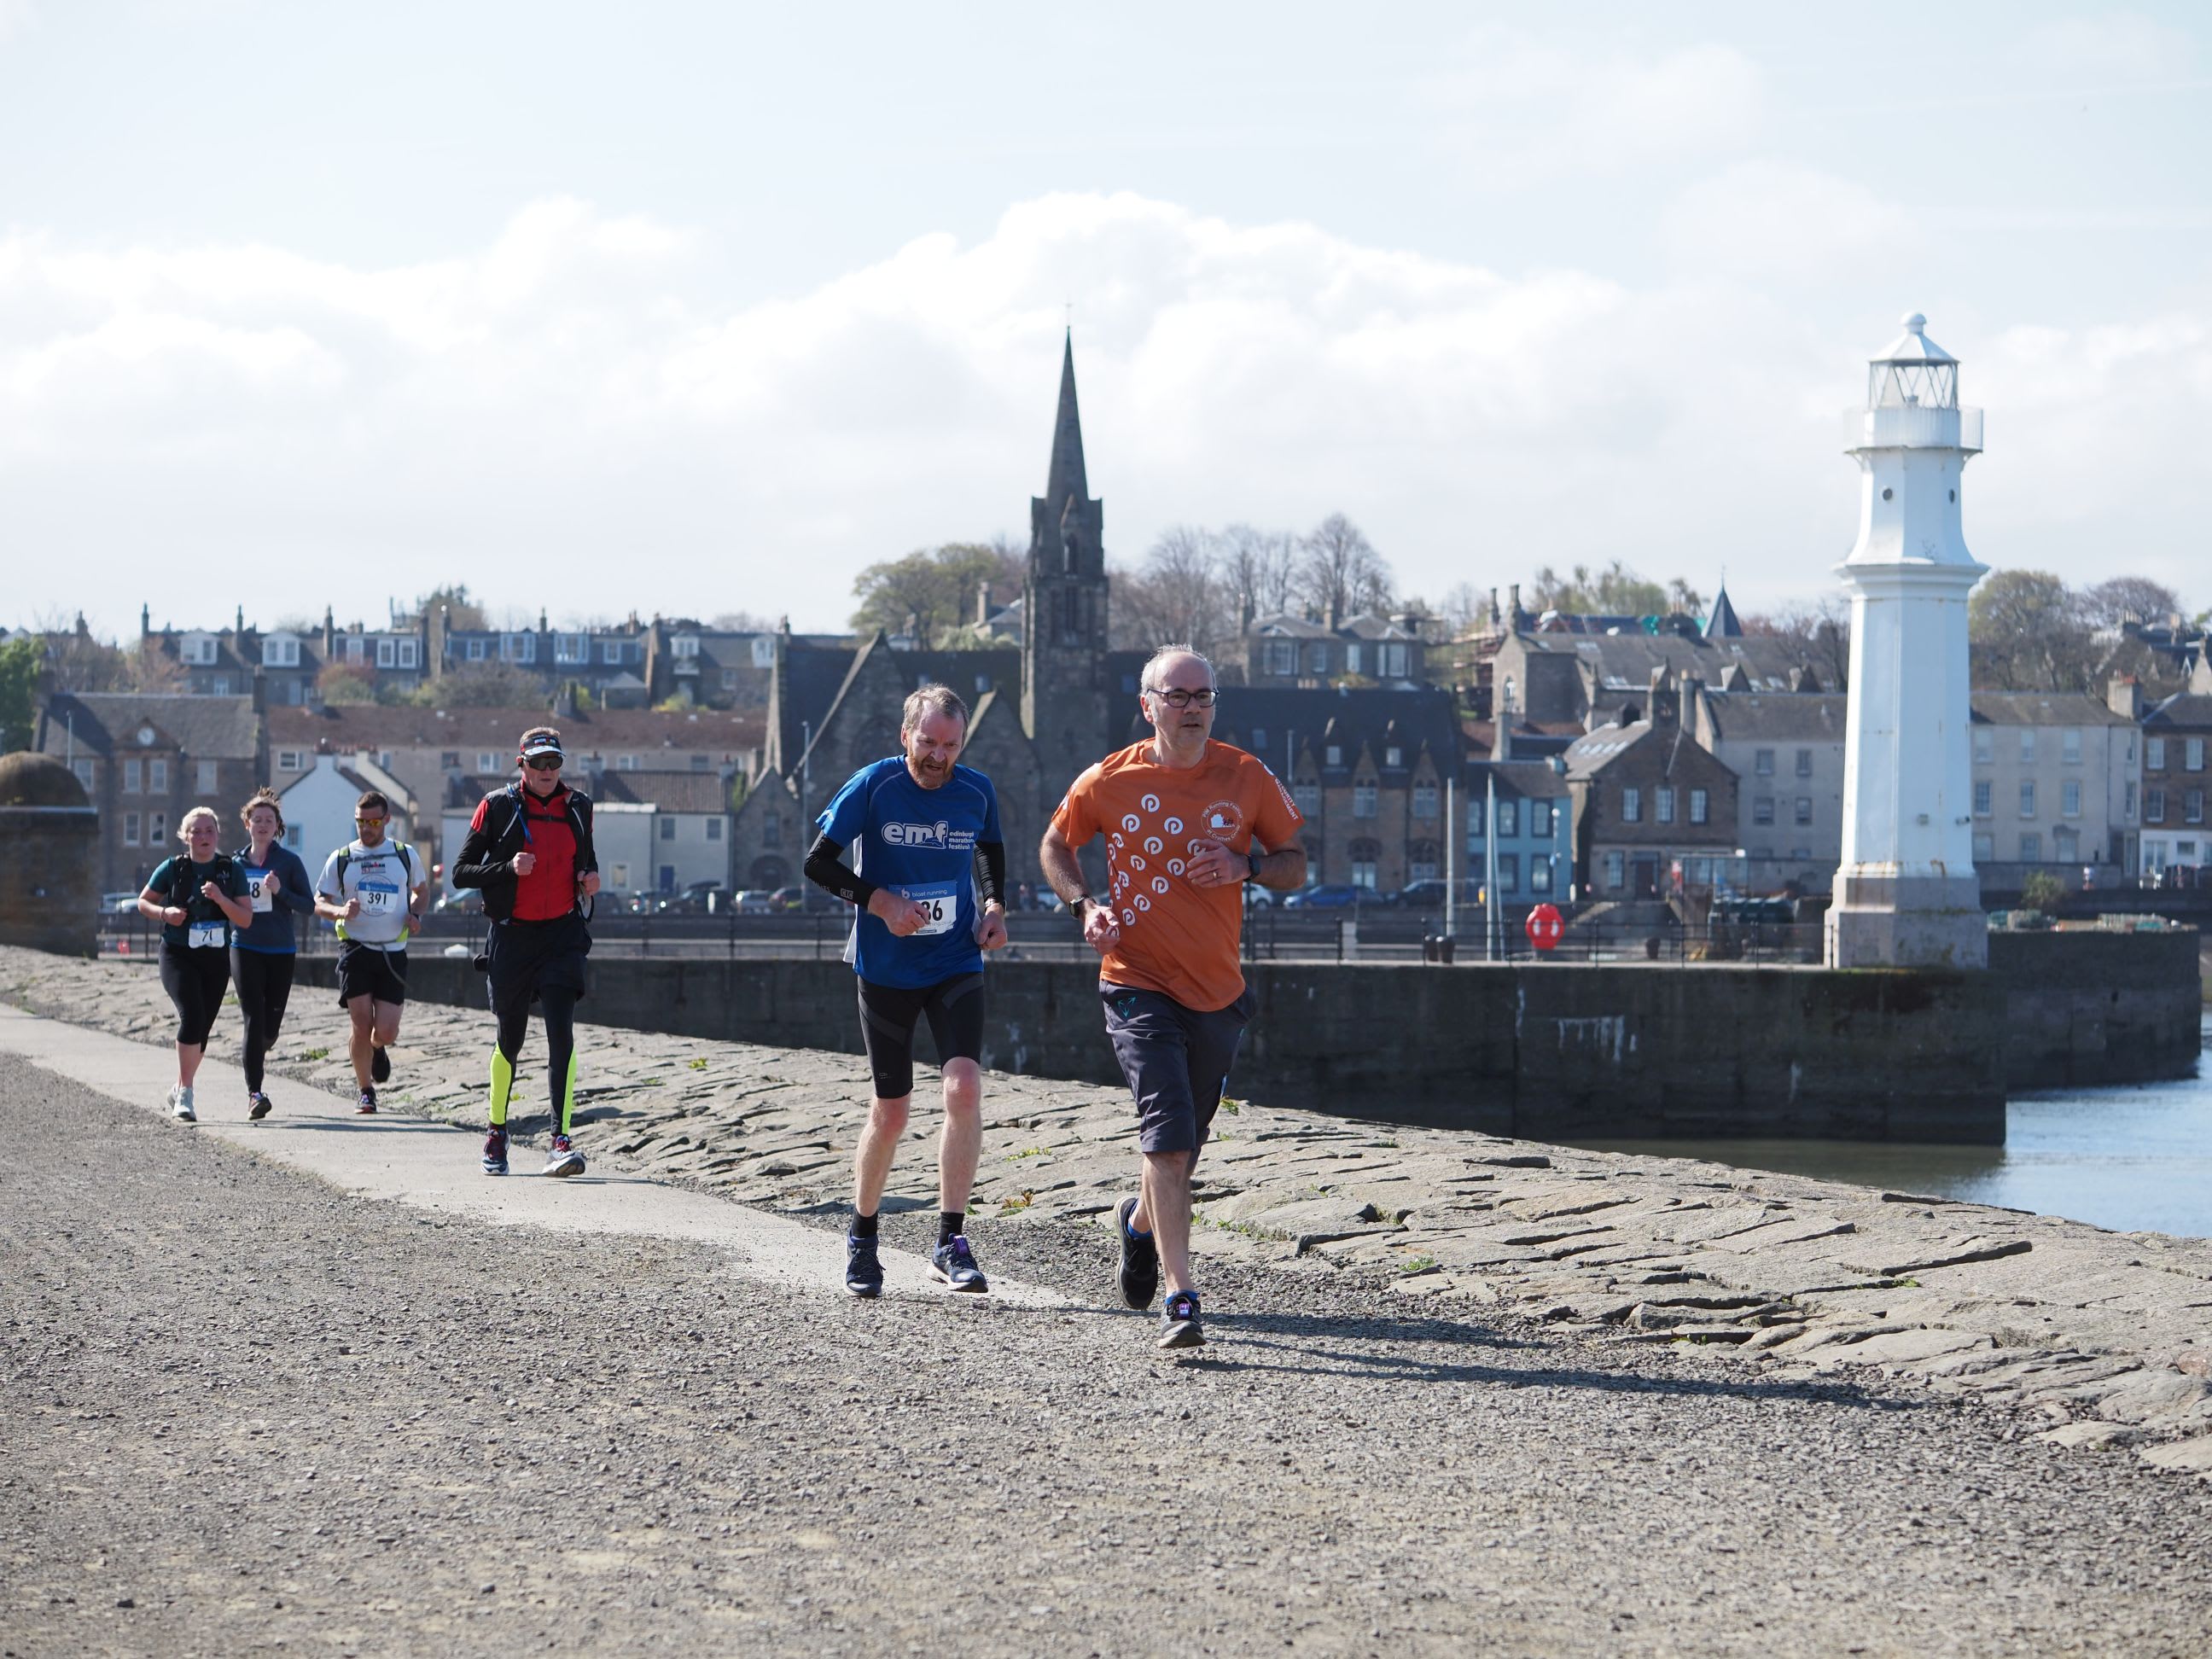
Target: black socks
{"x":949,"y":1223}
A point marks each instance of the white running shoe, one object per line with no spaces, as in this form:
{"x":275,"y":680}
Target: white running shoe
{"x":180,"y":1105}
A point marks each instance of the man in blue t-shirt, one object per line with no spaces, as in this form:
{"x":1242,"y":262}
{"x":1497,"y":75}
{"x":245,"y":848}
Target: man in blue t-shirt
{"x":928,"y":869}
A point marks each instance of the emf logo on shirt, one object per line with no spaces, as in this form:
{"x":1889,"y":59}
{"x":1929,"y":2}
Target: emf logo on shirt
{"x":940,"y":834}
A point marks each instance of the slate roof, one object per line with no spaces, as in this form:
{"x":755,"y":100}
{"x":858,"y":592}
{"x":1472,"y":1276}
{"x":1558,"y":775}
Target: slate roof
{"x":1530,"y":780}
{"x":205,"y":728}
{"x":2043,"y":708}
{"x":1624,"y":662}
{"x":351,"y":727}
{"x":672,"y":792}
{"x":2184,"y":709}
{"x":1348,"y":719}
{"x":1778,"y":717}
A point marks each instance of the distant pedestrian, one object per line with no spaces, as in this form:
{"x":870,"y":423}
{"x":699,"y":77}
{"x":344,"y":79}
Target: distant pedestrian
{"x":197,"y":895}
{"x":262,"y":955}
{"x":373,"y":888}
{"x":928,"y":873}
{"x":529,"y":850}
{"x":1188,"y":821}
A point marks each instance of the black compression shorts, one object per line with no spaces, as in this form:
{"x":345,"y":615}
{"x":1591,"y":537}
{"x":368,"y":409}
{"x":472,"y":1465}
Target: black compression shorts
{"x":889,"y":1013}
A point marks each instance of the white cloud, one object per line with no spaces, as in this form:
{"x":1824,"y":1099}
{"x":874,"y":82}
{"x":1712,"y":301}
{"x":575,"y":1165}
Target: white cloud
{"x":1766,"y":219}
{"x":564,"y":416}
{"x":1528,"y":112}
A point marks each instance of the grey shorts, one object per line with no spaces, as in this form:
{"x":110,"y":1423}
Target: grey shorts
{"x":1177,"y":1061}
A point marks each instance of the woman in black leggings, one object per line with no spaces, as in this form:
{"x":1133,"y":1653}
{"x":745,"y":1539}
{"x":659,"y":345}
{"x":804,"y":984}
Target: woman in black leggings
{"x":262,"y":955}
{"x":197,"y":897}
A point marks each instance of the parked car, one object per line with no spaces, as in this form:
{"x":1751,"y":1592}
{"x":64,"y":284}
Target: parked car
{"x":118,"y":903}
{"x":1257,"y":898}
{"x":462,"y":902}
{"x":1429,"y":895}
{"x":1325,"y":896}
{"x":753,"y":902}
{"x":787,"y":898}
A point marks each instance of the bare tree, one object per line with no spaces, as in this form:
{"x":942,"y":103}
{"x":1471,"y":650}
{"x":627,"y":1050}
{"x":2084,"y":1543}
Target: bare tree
{"x":1339,"y":572}
{"x":1821,"y":629}
{"x":1258,"y":567}
{"x":2121,"y":598}
{"x":1179,"y":594}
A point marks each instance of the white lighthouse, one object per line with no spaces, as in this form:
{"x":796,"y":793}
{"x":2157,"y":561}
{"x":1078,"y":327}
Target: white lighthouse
{"x":1906,"y":895}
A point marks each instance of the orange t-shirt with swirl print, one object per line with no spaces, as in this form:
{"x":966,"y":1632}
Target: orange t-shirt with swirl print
{"x":1177,"y":939}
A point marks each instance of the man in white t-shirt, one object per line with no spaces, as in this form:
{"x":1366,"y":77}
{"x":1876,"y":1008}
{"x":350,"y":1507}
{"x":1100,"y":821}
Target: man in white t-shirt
{"x":374,"y":888}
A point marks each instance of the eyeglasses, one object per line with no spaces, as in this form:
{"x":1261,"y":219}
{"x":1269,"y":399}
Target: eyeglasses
{"x":1203,"y":697}
{"x":368,"y":823}
{"x":542,"y":763}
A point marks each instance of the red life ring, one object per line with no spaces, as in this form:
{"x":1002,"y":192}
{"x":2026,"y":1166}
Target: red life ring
{"x":1545,"y":927}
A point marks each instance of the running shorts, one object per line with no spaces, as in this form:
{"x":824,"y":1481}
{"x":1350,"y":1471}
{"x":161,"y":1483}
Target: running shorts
{"x":889,"y":1014}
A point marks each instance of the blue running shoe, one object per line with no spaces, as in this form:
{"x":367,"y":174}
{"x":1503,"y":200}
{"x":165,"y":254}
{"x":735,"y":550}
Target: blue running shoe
{"x":495,"y":1154}
{"x":953,"y":1265}
{"x":864,"y":1272}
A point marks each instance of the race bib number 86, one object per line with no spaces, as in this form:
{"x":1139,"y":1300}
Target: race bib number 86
{"x":943,"y":903}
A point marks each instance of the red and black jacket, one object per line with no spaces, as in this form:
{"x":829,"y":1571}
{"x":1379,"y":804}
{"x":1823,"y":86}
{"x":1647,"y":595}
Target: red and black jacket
{"x":505,"y":823}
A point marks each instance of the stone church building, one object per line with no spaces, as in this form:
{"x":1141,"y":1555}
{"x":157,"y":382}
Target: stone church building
{"x":1043,"y":713}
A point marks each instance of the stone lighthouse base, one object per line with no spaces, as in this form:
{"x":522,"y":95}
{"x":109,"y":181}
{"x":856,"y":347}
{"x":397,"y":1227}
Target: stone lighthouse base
{"x":1883,"y":920}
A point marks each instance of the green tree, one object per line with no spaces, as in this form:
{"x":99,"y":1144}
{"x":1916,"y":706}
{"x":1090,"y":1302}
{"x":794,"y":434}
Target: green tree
{"x":485,"y":685}
{"x":340,"y":684}
{"x":932,"y":591}
{"x":20,"y":659}
{"x":1615,"y":591}
{"x":2028,"y":633}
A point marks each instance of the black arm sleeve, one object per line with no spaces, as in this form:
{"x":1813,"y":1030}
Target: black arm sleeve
{"x":478,"y":863}
{"x":826,"y":868}
{"x":990,"y":873}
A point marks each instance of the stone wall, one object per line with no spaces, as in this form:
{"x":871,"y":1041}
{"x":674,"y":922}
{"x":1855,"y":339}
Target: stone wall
{"x":2099,"y":1007}
{"x":1544,"y":1052}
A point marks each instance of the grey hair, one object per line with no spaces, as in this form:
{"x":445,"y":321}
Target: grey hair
{"x":1149,"y":680}
{"x":928,"y":700}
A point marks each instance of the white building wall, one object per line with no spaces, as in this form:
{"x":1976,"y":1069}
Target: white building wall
{"x":318,"y":811}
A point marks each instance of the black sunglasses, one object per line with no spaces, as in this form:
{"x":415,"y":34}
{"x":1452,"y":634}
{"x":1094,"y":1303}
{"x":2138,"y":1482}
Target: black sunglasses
{"x":542,"y":763}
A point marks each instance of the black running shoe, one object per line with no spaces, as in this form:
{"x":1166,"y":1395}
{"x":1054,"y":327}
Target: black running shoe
{"x":379,"y":1065}
{"x":1179,"y":1321}
{"x":864,"y":1273}
{"x":495,"y":1154}
{"x":367,"y":1102}
{"x":953,"y":1264}
{"x":1139,"y":1272}
{"x":257,"y":1104}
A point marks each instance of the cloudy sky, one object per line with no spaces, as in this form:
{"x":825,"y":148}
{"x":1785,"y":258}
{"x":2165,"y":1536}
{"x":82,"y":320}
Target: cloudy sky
{"x":702,"y":307}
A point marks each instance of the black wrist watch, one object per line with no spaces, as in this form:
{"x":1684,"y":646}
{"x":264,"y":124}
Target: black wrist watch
{"x":1075,"y":906}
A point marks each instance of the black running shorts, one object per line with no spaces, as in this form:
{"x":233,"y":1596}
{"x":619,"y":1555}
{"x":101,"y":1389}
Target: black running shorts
{"x":889,"y":1013}
{"x":1177,"y":1059}
{"x":366,"y":971}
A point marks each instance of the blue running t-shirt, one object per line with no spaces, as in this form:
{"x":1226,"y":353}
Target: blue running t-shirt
{"x":920,"y":842}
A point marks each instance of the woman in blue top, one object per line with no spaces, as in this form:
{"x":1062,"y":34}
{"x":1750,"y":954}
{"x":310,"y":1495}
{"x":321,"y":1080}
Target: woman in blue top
{"x":262,"y":956}
{"x":197,"y":897}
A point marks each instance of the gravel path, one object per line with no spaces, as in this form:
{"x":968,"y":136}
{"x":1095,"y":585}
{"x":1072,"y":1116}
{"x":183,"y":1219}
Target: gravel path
{"x":248,"y":1412}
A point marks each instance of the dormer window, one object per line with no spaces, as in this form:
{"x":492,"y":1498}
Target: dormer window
{"x":280,"y":651}
{"x":684,"y":645}
{"x":1335,"y":755}
{"x":1394,"y":756}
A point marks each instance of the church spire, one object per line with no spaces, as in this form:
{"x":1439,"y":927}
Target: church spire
{"x":1723,"y":624}
{"x":1065,"y":477}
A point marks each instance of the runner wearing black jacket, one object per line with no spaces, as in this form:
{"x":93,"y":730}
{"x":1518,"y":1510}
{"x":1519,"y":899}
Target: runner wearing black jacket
{"x":529,"y":851}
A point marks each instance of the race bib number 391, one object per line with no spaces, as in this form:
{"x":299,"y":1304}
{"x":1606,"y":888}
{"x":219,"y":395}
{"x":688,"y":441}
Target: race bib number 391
{"x":379,"y":898}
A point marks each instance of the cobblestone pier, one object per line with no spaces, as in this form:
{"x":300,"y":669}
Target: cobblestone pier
{"x":2104,"y":1338}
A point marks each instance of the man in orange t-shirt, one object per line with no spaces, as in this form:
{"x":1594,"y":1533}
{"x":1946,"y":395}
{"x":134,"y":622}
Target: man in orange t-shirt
{"x":1188,"y":822}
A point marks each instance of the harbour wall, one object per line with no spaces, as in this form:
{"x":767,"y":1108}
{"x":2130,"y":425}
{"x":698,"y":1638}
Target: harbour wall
{"x":2089,"y":1006}
{"x":1547,"y":1053}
